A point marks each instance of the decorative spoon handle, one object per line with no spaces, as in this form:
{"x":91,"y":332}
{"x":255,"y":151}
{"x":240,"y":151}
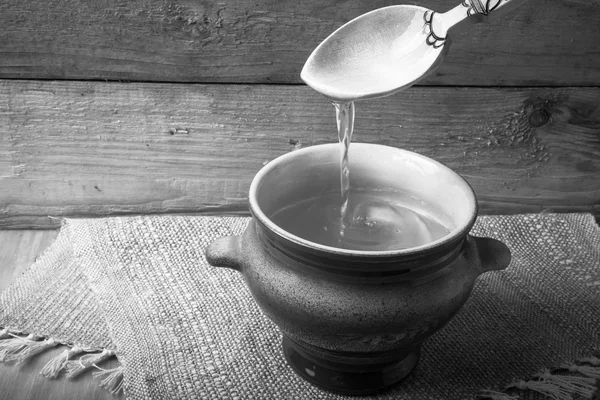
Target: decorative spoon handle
{"x":437,"y":25}
{"x":483,"y":7}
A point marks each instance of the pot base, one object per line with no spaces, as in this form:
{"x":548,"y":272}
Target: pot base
{"x":348,"y":378}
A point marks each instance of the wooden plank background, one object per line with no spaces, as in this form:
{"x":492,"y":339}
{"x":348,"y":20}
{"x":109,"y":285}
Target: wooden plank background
{"x":514,"y":108}
{"x":95,"y":148}
{"x":542,"y":43}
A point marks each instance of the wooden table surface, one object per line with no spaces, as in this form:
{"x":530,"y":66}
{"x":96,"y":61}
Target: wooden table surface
{"x":18,"y":250}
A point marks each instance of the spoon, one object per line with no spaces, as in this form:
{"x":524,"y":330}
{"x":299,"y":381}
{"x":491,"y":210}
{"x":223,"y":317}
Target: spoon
{"x":383,"y":51}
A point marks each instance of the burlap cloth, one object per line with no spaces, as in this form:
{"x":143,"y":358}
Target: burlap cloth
{"x":185,"y":330}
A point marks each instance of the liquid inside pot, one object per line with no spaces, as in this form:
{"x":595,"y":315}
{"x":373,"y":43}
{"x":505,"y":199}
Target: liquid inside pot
{"x":374,"y":220}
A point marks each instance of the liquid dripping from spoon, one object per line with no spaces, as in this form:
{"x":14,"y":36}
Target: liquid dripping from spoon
{"x":363,"y":218}
{"x":368,"y":220}
{"x":344,"y":113}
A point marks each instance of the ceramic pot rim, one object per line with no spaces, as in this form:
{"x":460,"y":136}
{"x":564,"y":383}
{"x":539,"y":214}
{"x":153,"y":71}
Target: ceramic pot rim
{"x":449,"y":240}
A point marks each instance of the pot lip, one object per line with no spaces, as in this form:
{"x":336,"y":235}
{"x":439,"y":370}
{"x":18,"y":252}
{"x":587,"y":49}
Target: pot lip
{"x":450,"y":239}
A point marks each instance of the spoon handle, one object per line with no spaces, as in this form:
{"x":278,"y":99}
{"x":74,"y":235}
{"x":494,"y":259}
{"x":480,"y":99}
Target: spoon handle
{"x":485,"y":7}
{"x":439,"y":24}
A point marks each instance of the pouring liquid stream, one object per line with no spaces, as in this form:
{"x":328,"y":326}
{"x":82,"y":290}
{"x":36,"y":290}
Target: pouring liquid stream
{"x":376,"y":220}
{"x":344,"y":114}
{"x":358,"y":218}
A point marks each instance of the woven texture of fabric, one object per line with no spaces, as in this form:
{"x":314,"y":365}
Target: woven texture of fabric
{"x":52,"y":299}
{"x":185,"y":330}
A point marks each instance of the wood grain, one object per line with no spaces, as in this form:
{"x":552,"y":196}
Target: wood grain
{"x":96,"y":149}
{"x":18,"y":250}
{"x":542,"y":43}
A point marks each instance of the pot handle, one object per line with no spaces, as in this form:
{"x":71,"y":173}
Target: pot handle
{"x":225,"y":252}
{"x":492,"y":254}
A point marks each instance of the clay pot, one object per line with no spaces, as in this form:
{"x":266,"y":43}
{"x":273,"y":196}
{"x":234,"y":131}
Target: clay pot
{"x":354,"y":321}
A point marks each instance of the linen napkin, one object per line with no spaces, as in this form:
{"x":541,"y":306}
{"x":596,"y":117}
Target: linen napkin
{"x":140,"y":288}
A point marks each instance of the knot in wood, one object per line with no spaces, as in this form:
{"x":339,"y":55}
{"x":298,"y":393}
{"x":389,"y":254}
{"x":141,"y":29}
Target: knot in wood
{"x":539,"y":118}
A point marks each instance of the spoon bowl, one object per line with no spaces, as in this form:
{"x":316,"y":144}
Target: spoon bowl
{"x":386,"y":50}
{"x":374,"y":55}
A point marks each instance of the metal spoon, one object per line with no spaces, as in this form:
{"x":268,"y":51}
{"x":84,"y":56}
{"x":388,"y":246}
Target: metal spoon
{"x":388,"y":49}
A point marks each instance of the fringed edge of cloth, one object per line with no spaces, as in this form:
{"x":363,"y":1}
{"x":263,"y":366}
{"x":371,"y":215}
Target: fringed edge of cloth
{"x":579,"y":378}
{"x":18,"y":347}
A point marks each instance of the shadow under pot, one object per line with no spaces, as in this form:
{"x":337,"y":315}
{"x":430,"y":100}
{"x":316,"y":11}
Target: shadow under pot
{"x":353,"y":320}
